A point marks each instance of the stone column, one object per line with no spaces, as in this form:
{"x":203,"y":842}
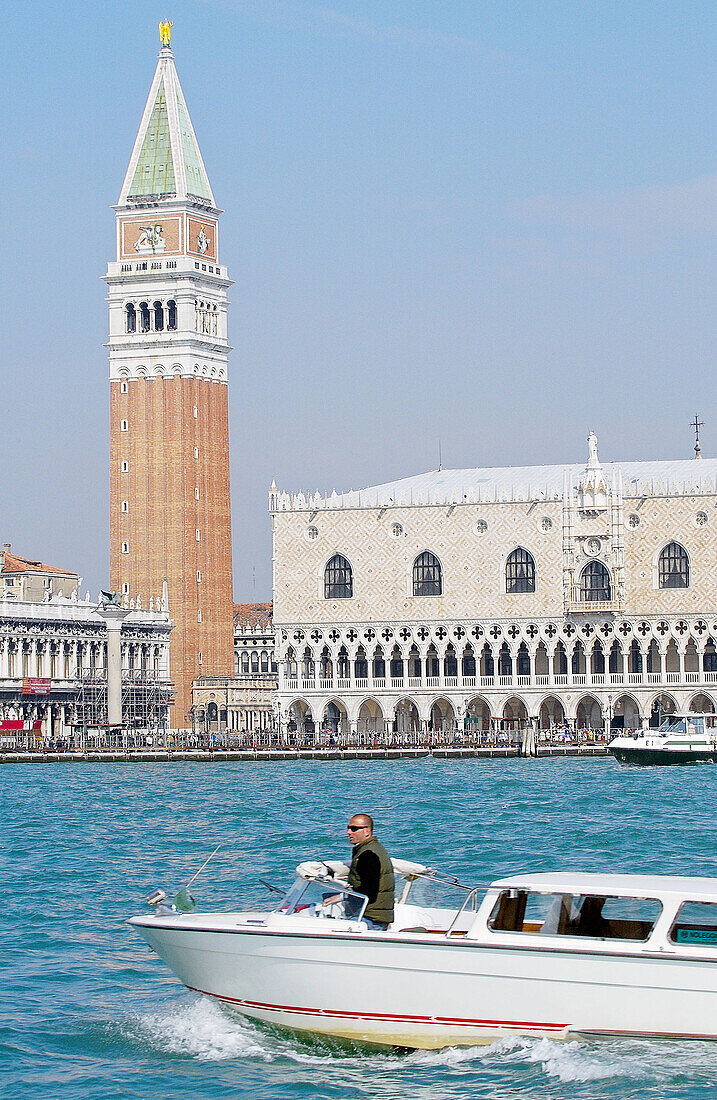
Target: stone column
{"x":113,"y":614}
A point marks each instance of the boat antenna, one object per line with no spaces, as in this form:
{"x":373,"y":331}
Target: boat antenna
{"x":206,"y":861}
{"x":273,"y":889}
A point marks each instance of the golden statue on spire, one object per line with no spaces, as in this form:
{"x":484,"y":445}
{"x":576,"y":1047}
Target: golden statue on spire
{"x":165,"y":31}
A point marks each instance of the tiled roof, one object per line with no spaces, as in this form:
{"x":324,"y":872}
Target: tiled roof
{"x":15,"y":564}
{"x":252,"y":614}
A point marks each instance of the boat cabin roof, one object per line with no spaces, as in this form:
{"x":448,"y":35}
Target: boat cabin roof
{"x":646,"y":886}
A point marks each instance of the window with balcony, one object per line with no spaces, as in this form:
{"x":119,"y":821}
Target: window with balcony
{"x":595,"y":584}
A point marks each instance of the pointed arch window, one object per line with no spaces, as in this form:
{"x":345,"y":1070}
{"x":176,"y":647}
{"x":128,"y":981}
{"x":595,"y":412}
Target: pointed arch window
{"x":450,"y":662}
{"x":427,"y":575}
{"x":468,"y":661}
{"x":144,"y":322}
{"x":158,"y":309}
{"x":131,"y":317}
{"x":674,"y":567}
{"x":595,"y":586}
{"x":171,"y":314}
{"x":338,"y":579}
{"x":361,"y":664}
{"x":520,"y":571}
{"x":343,"y":668}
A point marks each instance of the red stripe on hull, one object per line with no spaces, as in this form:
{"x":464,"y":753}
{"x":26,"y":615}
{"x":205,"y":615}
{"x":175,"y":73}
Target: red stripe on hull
{"x":388,"y":1017}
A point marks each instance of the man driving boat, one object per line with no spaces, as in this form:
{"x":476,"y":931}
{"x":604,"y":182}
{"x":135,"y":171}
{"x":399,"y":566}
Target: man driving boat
{"x":371,"y":872}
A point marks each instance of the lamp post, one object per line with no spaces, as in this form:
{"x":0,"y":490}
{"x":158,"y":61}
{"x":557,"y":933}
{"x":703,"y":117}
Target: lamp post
{"x":609,"y":717}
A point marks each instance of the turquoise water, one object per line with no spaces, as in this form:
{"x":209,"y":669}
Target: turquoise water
{"x":87,"y":1011}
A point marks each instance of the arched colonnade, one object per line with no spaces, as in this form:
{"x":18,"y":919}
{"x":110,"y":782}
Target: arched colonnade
{"x":442,"y":715}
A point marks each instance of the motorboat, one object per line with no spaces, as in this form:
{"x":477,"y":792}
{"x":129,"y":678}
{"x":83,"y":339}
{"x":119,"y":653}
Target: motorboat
{"x":691,"y":739}
{"x":546,"y":955}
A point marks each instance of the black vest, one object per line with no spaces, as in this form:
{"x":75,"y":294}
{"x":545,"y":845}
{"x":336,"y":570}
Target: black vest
{"x":381,"y":909}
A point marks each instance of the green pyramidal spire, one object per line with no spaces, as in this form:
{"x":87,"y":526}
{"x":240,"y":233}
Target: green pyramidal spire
{"x":166,"y":162}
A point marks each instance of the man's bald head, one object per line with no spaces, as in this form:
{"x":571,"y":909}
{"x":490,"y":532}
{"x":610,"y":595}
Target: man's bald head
{"x":360,"y":828}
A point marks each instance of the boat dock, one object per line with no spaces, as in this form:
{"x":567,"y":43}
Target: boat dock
{"x":149,"y":756}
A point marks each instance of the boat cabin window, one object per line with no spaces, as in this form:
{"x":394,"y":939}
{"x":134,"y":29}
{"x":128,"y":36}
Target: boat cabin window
{"x":597,"y":916}
{"x":696,"y":924}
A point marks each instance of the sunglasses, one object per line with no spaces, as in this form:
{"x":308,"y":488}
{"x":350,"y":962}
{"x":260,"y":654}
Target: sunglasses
{"x":356,"y":828}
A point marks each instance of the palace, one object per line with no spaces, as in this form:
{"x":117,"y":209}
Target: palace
{"x":53,"y":659}
{"x":541,"y":595}
{"x":241,"y":704}
{"x":168,"y":354}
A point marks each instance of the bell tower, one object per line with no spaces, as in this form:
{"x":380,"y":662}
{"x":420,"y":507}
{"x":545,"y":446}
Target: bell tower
{"x":168,"y":355}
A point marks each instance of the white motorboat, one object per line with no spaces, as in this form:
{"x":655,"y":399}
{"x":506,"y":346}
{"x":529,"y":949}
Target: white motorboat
{"x":545,"y":955}
{"x":691,"y":739}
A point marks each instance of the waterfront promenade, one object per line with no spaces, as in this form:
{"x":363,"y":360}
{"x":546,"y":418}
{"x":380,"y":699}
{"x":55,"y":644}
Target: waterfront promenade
{"x":503,"y":745}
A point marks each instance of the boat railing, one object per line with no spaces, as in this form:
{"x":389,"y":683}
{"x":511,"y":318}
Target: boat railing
{"x":470,"y":903}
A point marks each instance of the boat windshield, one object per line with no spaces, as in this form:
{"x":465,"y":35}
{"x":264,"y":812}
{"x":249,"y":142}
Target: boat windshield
{"x":323,"y":897}
{"x":694,"y":724}
{"x":591,"y":915}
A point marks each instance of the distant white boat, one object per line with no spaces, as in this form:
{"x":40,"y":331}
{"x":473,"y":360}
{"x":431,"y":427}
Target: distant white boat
{"x":688,"y":740}
{"x":546,"y":955}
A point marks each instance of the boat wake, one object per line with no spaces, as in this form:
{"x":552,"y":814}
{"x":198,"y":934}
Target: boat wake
{"x":203,"y":1031}
{"x":566,"y":1061}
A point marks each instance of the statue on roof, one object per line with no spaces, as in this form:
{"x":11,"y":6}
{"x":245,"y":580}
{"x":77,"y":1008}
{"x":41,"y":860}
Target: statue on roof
{"x":593,"y":459}
{"x":165,"y":31}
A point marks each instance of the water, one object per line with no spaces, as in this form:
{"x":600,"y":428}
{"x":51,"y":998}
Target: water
{"x":87,"y":1011}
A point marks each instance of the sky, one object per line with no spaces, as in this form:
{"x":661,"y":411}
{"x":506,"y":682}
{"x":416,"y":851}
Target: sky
{"x":459,"y":228}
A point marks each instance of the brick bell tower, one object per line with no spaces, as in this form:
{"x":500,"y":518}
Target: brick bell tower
{"x":168,"y":353}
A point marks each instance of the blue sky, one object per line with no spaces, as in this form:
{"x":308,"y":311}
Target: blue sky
{"x":486,"y":224}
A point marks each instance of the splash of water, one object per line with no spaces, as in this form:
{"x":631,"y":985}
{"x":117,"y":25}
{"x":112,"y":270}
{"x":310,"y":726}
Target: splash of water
{"x":201,"y":1030}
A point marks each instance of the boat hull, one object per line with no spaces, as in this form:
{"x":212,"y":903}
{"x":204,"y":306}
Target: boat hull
{"x":664,"y":756}
{"x":423,"y":993}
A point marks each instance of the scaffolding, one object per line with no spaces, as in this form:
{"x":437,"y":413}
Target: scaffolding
{"x":145,"y":702}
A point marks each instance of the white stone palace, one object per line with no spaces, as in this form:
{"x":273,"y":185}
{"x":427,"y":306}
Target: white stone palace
{"x":459,"y":599}
{"x":53,"y":658}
